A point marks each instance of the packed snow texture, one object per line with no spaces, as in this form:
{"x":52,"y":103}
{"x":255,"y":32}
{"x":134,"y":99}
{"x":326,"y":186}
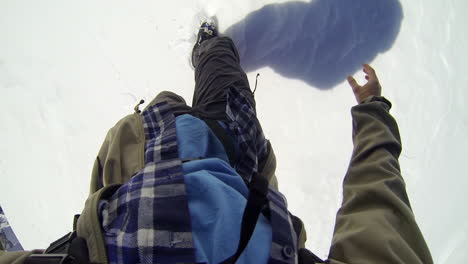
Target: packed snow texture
{"x":70,"y":69}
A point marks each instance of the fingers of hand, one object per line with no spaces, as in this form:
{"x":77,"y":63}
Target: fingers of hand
{"x":368,"y":69}
{"x":371,"y":75}
{"x":352,"y":82}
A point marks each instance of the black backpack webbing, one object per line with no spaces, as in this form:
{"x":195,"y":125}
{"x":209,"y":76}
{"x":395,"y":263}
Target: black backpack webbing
{"x":255,"y":203}
{"x":258,"y":189}
{"x":224,"y":138}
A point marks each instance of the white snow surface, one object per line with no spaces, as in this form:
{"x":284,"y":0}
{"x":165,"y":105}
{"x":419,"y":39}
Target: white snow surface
{"x":69,"y":70}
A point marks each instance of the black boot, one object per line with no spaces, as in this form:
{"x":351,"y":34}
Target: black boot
{"x":207,"y":31}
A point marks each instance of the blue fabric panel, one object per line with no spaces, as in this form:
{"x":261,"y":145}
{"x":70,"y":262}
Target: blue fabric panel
{"x":217,"y":197}
{"x":196,"y":140}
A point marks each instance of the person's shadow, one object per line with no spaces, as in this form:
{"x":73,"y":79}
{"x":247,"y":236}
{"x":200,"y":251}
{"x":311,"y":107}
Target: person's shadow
{"x":320,"y":42}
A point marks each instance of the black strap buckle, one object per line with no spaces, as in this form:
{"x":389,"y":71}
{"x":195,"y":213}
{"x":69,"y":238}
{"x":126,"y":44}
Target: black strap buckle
{"x":50,"y":259}
{"x":69,"y":249}
{"x":61,"y":245}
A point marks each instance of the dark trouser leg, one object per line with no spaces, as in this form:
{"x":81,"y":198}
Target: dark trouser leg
{"x":177,"y":103}
{"x":218,"y":69}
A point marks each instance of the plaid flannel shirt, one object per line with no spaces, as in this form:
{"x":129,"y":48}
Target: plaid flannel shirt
{"x":147,"y":219}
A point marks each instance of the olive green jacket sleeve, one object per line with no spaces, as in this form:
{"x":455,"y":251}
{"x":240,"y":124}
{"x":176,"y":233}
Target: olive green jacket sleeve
{"x":15,"y":257}
{"x":375,"y":223}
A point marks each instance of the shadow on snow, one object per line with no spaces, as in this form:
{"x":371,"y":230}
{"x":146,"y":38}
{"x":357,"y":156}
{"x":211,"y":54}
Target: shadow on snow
{"x":320,"y":42}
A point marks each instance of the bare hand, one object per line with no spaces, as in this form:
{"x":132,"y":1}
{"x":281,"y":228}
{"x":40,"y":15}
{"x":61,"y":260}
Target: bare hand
{"x":372,"y":87}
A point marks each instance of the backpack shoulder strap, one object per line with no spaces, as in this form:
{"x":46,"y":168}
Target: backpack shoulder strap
{"x":255,"y":203}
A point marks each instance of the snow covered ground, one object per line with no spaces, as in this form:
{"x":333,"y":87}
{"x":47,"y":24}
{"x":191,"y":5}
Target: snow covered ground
{"x":70,"y":69}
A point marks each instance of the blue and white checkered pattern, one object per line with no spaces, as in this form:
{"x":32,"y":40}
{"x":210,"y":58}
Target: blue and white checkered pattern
{"x":246,"y":128}
{"x":8,"y":239}
{"x":147,"y":219}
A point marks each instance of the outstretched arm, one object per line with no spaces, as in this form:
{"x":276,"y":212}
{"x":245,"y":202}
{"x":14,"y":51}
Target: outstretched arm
{"x":375,"y":223}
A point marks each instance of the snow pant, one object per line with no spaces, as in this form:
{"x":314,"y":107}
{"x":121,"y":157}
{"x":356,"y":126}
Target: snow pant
{"x":218,"y":68}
